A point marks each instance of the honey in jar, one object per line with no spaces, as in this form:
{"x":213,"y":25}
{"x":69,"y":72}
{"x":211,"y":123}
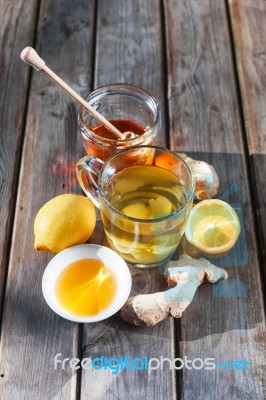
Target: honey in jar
{"x":127,"y":107}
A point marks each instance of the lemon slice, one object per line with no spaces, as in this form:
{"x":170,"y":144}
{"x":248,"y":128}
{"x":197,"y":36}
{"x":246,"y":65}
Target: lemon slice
{"x":157,"y":207}
{"x":213,"y":227}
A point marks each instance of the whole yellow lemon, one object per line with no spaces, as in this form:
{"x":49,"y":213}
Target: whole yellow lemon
{"x":64,"y":221}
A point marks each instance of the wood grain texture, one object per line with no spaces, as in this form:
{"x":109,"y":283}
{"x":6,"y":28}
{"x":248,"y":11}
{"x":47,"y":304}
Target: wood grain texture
{"x":248,"y":20}
{"x":258,"y":169}
{"x":32,"y":333}
{"x":129,"y":49}
{"x":249,"y":29}
{"x":225,"y":321}
{"x":16,"y":31}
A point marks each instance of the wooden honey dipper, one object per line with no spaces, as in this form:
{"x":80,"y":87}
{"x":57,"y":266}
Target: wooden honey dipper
{"x":31,"y":57}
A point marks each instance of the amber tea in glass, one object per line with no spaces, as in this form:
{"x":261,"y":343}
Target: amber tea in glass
{"x":144,"y":194}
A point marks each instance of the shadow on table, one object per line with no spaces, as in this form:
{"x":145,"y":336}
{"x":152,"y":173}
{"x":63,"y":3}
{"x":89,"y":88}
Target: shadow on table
{"x":236,"y":303}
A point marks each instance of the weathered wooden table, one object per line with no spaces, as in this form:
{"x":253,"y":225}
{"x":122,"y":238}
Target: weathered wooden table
{"x":205,"y":62}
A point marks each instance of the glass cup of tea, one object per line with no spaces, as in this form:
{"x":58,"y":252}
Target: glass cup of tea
{"x":144,"y":194}
{"x":127,"y":107}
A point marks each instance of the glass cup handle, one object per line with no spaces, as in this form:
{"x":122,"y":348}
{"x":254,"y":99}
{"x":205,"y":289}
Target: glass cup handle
{"x":85,"y":168}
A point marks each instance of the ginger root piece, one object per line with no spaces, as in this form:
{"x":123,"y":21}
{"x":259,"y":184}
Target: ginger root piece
{"x":206,"y":178}
{"x":186,"y":275}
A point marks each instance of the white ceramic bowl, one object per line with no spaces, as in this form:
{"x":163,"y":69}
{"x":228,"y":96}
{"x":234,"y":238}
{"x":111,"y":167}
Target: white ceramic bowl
{"x":111,"y":259}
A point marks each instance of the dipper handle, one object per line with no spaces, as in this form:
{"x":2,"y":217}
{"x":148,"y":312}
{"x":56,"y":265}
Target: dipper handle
{"x":31,"y":57}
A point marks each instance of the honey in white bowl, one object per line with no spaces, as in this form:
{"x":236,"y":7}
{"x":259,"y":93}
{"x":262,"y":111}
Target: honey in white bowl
{"x":86,"y":287}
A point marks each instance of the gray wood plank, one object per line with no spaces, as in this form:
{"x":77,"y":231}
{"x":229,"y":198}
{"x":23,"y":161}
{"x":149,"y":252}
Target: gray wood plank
{"x":129,"y":49}
{"x":32,"y":333}
{"x":17,"y":23}
{"x":225,"y":321}
{"x":249,"y":30}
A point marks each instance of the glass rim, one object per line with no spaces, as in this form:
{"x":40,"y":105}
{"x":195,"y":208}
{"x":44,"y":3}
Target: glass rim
{"x":170,"y":216}
{"x":115,"y":87}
